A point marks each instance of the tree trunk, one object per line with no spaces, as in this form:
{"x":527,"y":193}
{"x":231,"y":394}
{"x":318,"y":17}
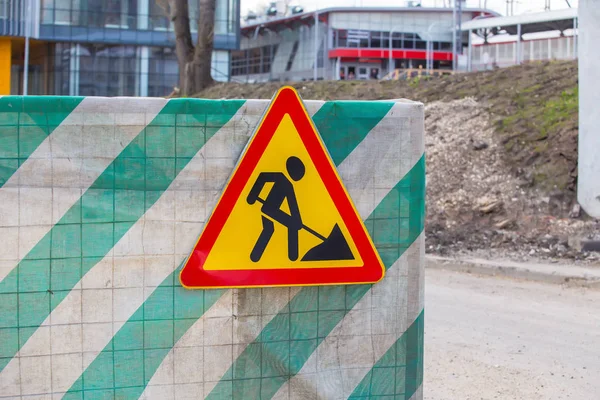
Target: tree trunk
{"x":202,"y":63}
{"x":184,"y":49}
{"x":194,"y":63}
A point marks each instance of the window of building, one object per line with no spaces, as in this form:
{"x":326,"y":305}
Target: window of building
{"x":57,"y":12}
{"x":258,"y":60}
{"x":381,"y":40}
{"x":99,"y":14}
{"x":194,"y":15}
{"x":358,"y":38}
{"x":157,"y":18}
{"x":340,"y":38}
{"x":397,"y":40}
{"x":112,"y":13}
{"x":163,"y":71}
{"x":123,"y":14}
{"x":107,"y":70}
{"x":59,"y":69}
{"x":320,"y":58}
{"x":232,"y":16}
{"x":94,"y":70}
{"x":239,"y":62}
{"x":114,"y":70}
{"x":268,"y":54}
{"x":221,"y":15}
{"x":3,"y":9}
{"x":377,"y":40}
{"x":254,"y":62}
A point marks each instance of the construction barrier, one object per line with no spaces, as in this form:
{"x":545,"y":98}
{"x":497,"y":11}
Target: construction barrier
{"x":410,"y":73}
{"x":101,"y":202}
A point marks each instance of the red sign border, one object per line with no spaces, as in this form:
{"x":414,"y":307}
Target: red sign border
{"x":193,"y":276}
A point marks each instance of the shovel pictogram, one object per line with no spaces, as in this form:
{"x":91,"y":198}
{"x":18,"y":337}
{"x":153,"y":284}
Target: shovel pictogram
{"x":334,"y":246}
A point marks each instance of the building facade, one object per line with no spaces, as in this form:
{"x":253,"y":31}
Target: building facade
{"x":346,"y":43}
{"x":102,"y":47}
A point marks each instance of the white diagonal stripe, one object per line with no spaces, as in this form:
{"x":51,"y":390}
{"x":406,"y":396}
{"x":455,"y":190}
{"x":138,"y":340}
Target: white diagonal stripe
{"x":63,"y":166}
{"x":366,"y":171}
{"x":360,"y":339}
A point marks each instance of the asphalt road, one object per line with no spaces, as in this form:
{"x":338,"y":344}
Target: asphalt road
{"x":494,"y":338}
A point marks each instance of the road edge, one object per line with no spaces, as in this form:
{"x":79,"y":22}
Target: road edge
{"x":555,"y":273}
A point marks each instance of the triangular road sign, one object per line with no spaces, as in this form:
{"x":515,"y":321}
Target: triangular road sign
{"x":284,"y":218}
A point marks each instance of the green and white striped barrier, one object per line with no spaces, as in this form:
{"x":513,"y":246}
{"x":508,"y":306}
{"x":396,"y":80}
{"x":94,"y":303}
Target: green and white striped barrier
{"x":101,"y":201}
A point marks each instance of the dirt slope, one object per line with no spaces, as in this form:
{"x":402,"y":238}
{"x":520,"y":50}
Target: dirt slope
{"x":533,"y":107}
{"x":475,"y":203}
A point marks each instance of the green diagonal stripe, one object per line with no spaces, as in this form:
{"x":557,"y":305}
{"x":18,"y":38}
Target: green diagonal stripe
{"x":399,"y":372}
{"x":343,"y":125}
{"x":167,"y":320}
{"x":25,"y":122}
{"x":128,"y":187}
{"x":289,"y":339}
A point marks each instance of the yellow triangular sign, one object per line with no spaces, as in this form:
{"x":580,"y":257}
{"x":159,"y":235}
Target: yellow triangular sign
{"x":285,"y":217}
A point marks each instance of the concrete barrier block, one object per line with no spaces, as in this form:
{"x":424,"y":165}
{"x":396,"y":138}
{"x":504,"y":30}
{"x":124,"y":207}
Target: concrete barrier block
{"x":101,"y":201}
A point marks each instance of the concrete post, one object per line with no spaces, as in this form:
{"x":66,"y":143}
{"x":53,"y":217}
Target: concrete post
{"x":575,"y":34}
{"x":390,"y":51}
{"x":271,"y":65}
{"x":454,"y":64}
{"x":470,"y":54}
{"x":588,"y":184}
{"x":142,"y":69}
{"x":315,"y":72}
{"x":519,"y":45}
{"x":427,"y":53}
{"x":531,"y":50}
{"x":27,"y":34}
{"x":143,"y":17}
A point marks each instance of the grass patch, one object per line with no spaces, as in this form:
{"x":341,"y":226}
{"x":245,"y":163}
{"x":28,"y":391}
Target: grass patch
{"x":559,"y":112}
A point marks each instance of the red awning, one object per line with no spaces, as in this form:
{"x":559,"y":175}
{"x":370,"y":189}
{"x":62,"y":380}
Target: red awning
{"x":384,"y":53}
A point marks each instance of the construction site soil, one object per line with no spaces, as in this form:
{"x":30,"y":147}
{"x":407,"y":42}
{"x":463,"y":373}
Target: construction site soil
{"x":501,"y":152}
